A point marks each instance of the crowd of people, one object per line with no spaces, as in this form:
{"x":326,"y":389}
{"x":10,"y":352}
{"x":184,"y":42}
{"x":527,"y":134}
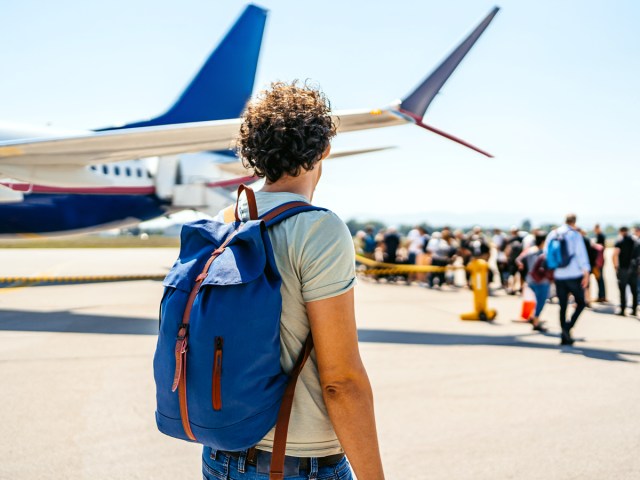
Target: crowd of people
{"x":517,"y":261}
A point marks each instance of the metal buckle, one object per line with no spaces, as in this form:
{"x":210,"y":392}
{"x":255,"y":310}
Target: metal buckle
{"x":185,"y":327}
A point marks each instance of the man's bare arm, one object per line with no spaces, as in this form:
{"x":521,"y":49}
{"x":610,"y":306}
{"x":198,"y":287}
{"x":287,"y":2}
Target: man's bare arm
{"x":345,"y":385}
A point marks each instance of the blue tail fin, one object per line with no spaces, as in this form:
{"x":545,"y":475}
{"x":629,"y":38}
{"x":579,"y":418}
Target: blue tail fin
{"x":222,"y":87}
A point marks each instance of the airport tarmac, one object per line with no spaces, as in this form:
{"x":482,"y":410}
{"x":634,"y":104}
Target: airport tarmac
{"x":454,"y":400}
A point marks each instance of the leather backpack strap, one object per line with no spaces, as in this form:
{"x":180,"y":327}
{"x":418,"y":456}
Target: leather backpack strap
{"x":251,"y":201}
{"x":287,"y":210}
{"x":182,"y":340}
{"x":272,"y":214}
{"x":276,"y":471}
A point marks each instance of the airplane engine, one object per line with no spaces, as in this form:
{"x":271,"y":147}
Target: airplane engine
{"x":188,"y":181}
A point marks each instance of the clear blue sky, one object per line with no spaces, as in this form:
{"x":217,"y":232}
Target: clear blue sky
{"x":551,"y":89}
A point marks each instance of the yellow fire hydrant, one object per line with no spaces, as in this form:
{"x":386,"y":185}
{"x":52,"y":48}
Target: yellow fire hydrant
{"x":480,"y":283}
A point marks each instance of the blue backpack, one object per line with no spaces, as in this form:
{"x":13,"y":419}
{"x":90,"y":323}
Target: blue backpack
{"x":217,"y":368}
{"x":558,"y":253}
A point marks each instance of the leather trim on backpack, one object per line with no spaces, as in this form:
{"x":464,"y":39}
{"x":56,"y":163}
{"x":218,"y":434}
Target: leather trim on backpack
{"x":180,"y":375}
{"x":251,"y":202}
{"x":276,"y":470}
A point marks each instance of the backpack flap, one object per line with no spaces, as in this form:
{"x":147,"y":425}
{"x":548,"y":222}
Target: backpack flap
{"x":200,"y":238}
{"x":244,"y":259}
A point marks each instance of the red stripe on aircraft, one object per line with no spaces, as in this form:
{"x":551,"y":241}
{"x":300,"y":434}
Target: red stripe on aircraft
{"x":234,"y":182}
{"x":26,"y":187}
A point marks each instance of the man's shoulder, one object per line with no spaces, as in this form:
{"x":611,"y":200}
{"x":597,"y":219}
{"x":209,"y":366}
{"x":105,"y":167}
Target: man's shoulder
{"x":566,"y":232}
{"x":623,"y":242}
{"x":318,"y":225}
{"x":325,"y":217}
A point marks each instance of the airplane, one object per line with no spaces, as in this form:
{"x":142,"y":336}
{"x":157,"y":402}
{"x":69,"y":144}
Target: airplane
{"x":61,"y":182}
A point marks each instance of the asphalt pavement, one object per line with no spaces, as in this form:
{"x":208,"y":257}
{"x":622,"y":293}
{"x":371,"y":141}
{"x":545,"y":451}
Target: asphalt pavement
{"x":454,"y":399}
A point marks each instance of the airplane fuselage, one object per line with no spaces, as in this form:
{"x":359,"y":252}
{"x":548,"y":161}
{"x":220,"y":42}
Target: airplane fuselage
{"x":45,"y":211}
{"x":131,"y":197}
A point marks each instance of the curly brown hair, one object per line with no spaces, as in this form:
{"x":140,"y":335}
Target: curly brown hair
{"x":286,"y":129}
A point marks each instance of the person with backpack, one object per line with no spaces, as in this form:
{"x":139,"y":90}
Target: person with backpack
{"x":303,"y":256}
{"x":566,"y":255}
{"x":538,"y":278}
{"x":369,"y":243}
{"x":625,"y":261}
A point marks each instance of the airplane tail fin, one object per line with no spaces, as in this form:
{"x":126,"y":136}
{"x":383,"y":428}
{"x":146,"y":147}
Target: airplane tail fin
{"x":222,"y":87}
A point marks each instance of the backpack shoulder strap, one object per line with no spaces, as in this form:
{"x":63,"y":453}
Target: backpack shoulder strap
{"x":287,"y":210}
{"x":231,"y":214}
{"x":276,"y":471}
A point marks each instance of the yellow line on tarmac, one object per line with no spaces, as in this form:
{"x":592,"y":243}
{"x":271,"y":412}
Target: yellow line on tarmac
{"x":23,"y":282}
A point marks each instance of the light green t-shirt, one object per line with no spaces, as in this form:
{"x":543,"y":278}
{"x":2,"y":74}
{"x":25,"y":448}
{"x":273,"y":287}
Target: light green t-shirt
{"x":316,"y":260}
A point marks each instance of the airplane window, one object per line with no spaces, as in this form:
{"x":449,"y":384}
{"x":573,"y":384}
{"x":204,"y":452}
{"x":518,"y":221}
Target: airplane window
{"x":93,"y":167}
{"x":139,"y":172}
{"x":116,"y":170}
{"x":127,"y":172}
{"x":148,"y":174}
{"x":105,"y":169}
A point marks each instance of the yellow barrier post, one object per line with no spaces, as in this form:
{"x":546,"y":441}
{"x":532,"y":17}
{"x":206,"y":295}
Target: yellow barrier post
{"x":478,"y":268}
{"x":480,"y":283}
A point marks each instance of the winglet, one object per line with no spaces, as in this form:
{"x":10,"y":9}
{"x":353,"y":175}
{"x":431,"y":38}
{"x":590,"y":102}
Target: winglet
{"x":417,"y":102}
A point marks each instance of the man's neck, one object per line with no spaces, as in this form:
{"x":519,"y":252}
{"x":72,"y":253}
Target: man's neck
{"x":301,"y":185}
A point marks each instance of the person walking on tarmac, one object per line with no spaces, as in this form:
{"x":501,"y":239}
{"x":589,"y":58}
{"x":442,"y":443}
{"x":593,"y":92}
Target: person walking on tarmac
{"x":573,"y":278}
{"x":600,"y":240}
{"x":625,"y":261}
{"x":537,"y":278}
{"x":392,"y":242}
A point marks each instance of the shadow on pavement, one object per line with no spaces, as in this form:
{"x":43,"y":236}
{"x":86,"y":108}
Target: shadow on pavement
{"x":70,"y":322}
{"x":451,"y":339}
{"x":606,"y":309}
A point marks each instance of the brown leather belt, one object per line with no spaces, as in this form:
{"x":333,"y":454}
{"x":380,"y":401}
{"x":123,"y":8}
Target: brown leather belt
{"x":305,"y":462}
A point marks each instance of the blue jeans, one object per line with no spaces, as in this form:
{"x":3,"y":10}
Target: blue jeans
{"x":219,"y":466}
{"x":541,"y":290}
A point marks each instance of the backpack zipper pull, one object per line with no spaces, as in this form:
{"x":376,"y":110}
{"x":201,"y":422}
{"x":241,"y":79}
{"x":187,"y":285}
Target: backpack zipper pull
{"x":216,"y":393}
{"x":180,"y":351}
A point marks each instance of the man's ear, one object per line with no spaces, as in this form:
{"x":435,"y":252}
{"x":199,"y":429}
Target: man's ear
{"x":326,"y":153}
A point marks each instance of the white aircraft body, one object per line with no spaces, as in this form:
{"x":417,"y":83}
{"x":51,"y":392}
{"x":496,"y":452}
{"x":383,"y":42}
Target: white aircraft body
{"x":60,"y":181}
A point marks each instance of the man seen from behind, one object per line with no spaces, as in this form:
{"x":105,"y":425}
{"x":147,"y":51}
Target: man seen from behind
{"x":573,"y":278}
{"x":284,"y":137}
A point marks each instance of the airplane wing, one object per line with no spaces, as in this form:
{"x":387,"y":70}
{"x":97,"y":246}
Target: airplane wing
{"x":118,"y":145}
{"x":237,"y":168}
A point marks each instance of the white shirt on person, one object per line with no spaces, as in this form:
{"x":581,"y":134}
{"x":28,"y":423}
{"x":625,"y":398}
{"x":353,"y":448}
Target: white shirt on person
{"x":416,"y":241}
{"x":579,"y":263}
